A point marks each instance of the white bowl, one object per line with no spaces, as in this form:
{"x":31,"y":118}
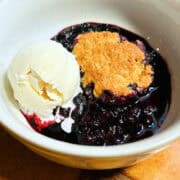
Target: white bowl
{"x":28,"y":20}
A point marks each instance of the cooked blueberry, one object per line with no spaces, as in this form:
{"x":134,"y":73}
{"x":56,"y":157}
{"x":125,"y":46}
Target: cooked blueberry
{"x":108,"y":98}
{"x":79,"y":99}
{"x":123,"y":38}
{"x":54,"y":111}
{"x":126,"y":138}
{"x":150,"y":109}
{"x":88,"y":92}
{"x":64,"y":111}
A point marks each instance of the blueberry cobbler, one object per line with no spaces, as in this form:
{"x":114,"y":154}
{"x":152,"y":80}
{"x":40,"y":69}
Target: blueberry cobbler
{"x":123,"y":94}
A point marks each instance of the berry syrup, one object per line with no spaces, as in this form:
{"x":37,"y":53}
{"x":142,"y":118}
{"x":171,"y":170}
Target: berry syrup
{"x":109,"y":119}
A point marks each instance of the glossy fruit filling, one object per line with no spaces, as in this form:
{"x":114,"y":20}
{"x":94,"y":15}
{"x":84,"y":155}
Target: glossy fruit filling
{"x":110,"y":119}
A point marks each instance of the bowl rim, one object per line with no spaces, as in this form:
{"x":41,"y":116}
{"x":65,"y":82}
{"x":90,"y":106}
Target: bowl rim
{"x":55,"y":146}
{"x":30,"y":136}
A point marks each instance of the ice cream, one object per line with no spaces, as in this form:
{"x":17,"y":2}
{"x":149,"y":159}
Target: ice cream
{"x":43,"y":75}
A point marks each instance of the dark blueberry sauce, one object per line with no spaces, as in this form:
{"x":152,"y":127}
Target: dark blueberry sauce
{"x":108,"y":119}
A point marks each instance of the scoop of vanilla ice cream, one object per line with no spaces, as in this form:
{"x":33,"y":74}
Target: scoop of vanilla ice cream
{"x":43,"y":75}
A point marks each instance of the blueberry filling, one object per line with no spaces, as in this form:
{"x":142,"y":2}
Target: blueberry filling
{"x":110,"y":119}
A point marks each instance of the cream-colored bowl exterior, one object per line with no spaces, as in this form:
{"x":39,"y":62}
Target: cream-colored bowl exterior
{"x":85,"y":162}
{"x":29,"y":20}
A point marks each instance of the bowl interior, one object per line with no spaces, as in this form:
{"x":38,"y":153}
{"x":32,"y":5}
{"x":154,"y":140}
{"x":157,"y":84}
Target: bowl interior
{"x":23,"y":22}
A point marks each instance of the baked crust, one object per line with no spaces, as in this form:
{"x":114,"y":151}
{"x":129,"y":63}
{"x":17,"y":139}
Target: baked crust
{"x":110,"y":64}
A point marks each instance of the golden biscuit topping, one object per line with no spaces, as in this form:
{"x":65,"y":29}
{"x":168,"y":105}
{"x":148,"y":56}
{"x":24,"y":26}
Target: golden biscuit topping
{"x":112,"y":65}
